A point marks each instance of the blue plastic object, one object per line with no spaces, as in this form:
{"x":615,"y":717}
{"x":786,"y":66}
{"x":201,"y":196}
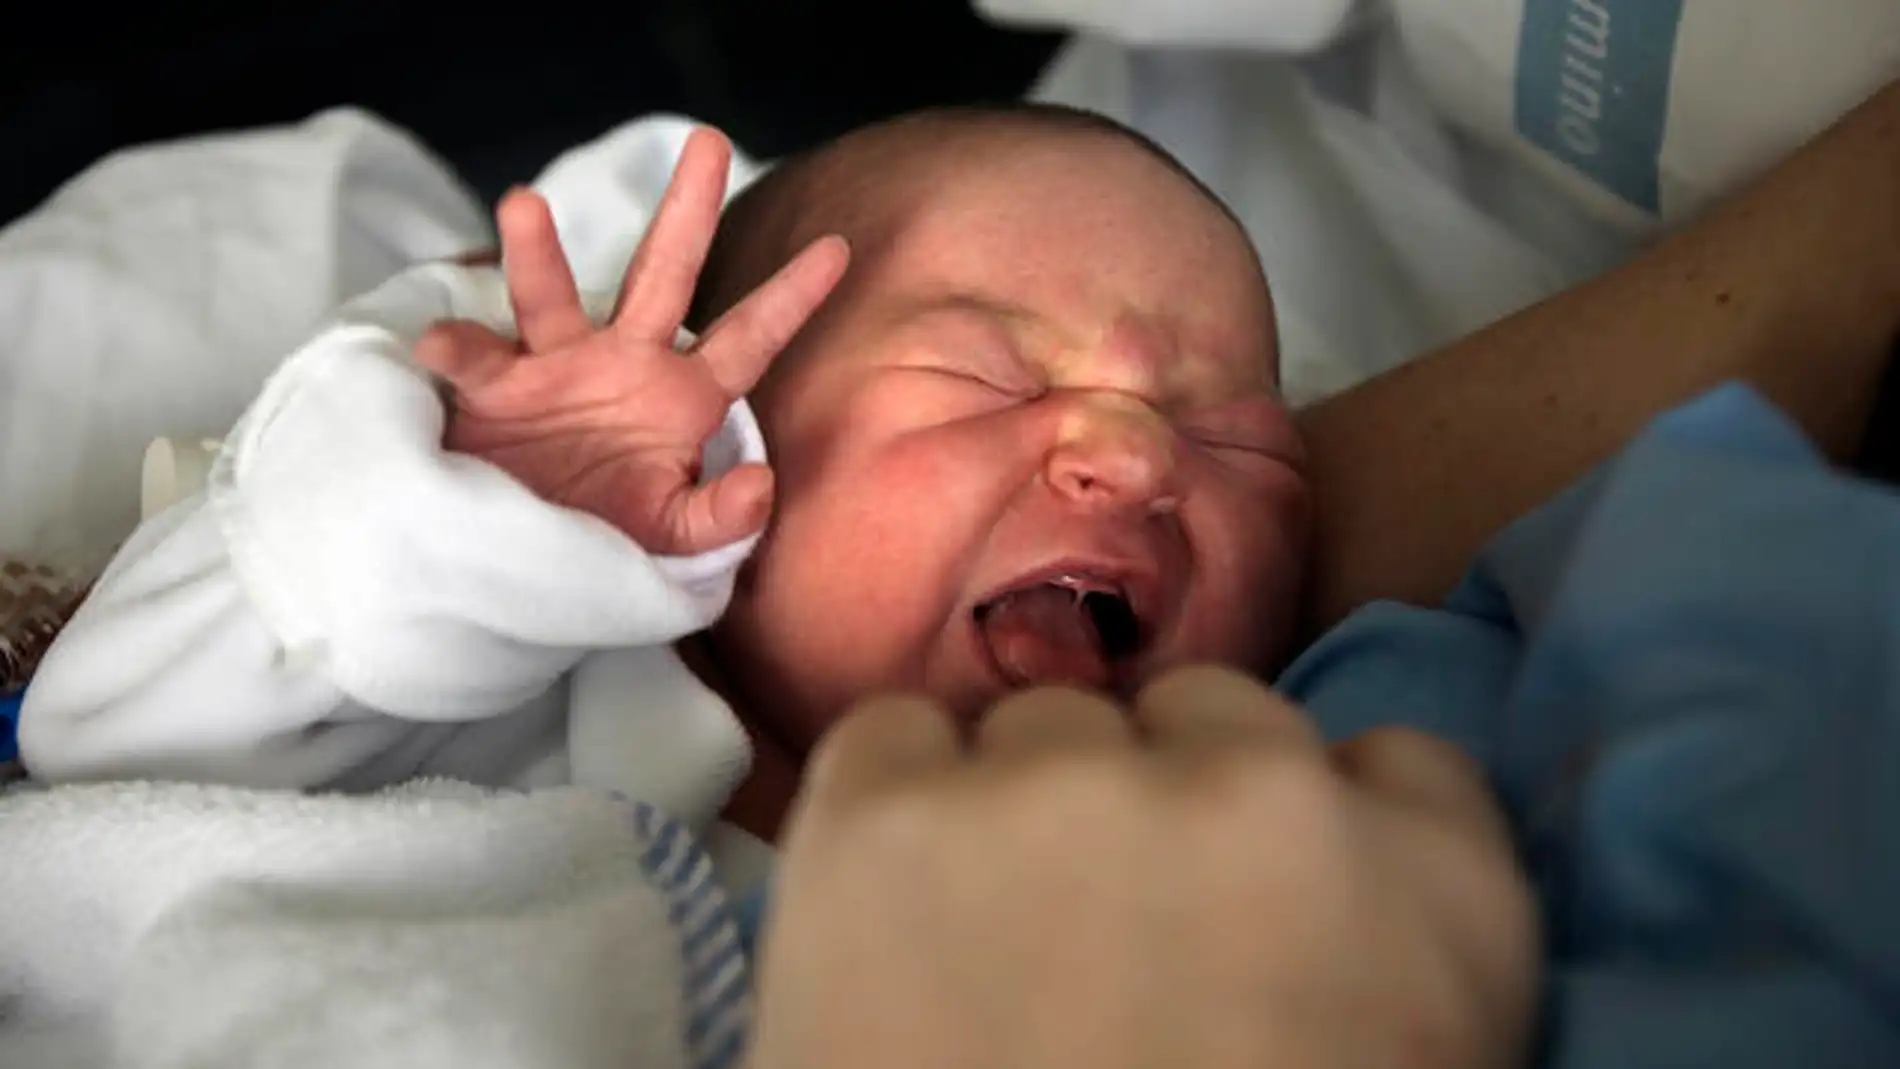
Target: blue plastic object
{"x":9,"y":724}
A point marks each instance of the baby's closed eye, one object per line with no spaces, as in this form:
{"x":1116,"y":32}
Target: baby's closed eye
{"x":1249,"y":430}
{"x":986,"y":367}
{"x":1005,"y":376}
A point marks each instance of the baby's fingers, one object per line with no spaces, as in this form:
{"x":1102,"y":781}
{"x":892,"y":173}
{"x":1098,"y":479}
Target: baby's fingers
{"x":467,"y":355}
{"x":548,"y":313}
{"x":743,"y":342}
{"x":719,"y":513}
{"x":659,"y":282}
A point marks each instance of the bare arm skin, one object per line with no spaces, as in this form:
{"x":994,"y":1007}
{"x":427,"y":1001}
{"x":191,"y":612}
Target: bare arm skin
{"x":1793,"y":285}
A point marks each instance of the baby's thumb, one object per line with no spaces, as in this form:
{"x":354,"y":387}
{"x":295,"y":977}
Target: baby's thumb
{"x":721,"y":512}
{"x":468,"y":356}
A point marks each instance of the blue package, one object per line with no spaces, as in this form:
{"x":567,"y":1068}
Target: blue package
{"x":10,"y":725}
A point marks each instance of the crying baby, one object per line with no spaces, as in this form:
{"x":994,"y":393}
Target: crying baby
{"x":1012,"y":418}
{"x":1034,"y":435}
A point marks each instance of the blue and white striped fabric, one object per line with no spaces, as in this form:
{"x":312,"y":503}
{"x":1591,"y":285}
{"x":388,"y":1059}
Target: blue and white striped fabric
{"x":717,"y":999}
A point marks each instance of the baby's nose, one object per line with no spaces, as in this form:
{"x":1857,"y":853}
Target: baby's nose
{"x":1114,"y":452}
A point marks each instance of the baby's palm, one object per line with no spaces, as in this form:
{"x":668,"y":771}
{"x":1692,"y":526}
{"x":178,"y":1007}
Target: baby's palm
{"x":611,"y":420}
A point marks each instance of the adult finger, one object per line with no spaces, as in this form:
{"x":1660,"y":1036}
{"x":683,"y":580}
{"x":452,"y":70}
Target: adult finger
{"x":658,"y":287}
{"x":1221,"y":708}
{"x":541,"y":288}
{"x":742,"y":343}
{"x":468,"y":356}
{"x":881,"y":742}
{"x":1051,"y":720}
{"x":1420,"y":772}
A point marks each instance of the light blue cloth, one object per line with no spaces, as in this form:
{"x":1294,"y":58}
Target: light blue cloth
{"x":1684,"y":678}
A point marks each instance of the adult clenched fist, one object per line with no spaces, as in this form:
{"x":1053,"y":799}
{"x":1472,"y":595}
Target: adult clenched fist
{"x":1193,"y":881}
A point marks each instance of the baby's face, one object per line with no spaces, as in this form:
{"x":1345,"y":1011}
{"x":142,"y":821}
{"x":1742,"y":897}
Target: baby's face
{"x":1035,"y":437}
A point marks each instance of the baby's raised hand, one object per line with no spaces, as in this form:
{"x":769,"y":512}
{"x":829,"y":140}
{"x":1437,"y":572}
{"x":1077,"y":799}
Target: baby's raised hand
{"x":611,"y":420}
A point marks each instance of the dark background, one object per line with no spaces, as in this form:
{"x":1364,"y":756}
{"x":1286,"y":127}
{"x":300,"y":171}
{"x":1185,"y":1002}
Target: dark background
{"x":497,"y":90}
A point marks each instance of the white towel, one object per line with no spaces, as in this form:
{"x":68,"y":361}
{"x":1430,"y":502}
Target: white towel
{"x":171,"y":925}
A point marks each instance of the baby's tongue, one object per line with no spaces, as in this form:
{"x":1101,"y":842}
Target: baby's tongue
{"x":1043,"y":635}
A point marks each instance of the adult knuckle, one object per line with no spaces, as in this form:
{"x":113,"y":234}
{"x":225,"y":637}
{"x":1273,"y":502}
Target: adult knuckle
{"x":898,"y":823}
{"x":1269,"y":789}
{"x":1080,"y":785}
{"x":852,"y":742}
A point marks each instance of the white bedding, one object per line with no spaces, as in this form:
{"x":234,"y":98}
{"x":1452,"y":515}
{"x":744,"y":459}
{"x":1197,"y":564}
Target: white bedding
{"x":175,"y":926}
{"x":152,"y":293}
{"x":436,"y":926}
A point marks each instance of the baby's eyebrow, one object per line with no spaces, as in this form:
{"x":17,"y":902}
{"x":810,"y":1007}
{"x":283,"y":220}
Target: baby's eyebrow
{"x":1019,"y":318}
{"x":982,"y":304}
{"x":1007,"y":320}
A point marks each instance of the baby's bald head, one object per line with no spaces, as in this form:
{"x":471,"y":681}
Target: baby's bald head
{"x":855,"y":184}
{"x":1051,"y":358}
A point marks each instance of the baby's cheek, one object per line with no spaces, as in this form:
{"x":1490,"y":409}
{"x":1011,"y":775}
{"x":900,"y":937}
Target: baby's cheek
{"x":1286,"y":563}
{"x":871,"y":558}
{"x":1255,"y":570}
{"x":851,"y":595}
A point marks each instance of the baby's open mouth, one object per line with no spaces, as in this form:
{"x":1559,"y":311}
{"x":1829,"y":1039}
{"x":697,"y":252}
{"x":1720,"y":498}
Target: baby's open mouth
{"x":1067,"y":629}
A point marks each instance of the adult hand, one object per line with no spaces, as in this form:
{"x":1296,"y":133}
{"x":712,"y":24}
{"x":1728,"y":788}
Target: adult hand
{"x":1195,"y":881}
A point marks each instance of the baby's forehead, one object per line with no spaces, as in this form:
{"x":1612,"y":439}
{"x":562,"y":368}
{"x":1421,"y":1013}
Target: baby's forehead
{"x":1041,"y":218}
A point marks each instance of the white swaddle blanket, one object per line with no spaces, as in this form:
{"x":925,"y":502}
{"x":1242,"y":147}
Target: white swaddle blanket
{"x":166,"y":926}
{"x":149,"y":925}
{"x":151,"y":295}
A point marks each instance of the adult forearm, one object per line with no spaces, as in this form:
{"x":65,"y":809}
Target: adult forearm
{"x":1792,"y":285}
